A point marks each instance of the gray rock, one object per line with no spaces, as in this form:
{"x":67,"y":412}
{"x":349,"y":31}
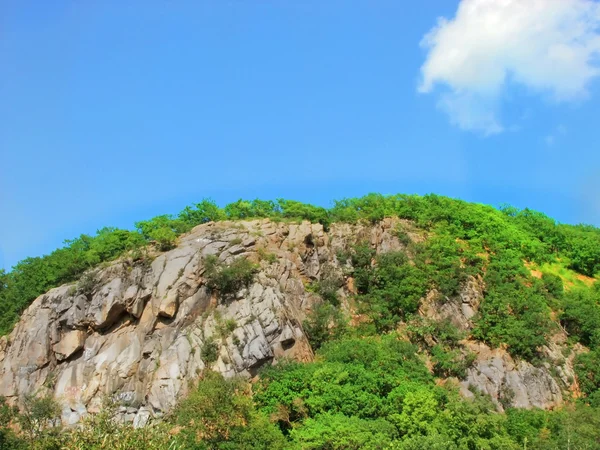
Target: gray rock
{"x":139,"y":336}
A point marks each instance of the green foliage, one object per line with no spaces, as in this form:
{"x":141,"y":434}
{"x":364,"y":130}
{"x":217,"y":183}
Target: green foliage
{"x":518,"y":318}
{"x":86,"y":284}
{"x":448,"y":362}
{"x":581,"y":316}
{"x":323,"y":324}
{"x":291,"y":209}
{"x":271,"y":258}
{"x":587,"y":368}
{"x":163,"y":230}
{"x":37,"y":415}
{"x":353,"y":377}
{"x":427,"y":332}
{"x":441,"y":340}
{"x":219,"y":414}
{"x":210,"y":351}
{"x":515,"y":311}
{"x":395,"y":288}
{"x":374,"y":393}
{"x":440,"y":260}
{"x":553,"y":284}
{"x":459,"y":233}
{"x":228,"y":279}
{"x":361,"y":258}
{"x":339,"y":432}
{"x":203,"y":212}
{"x":359,"y":393}
{"x":572,"y":427}
{"x":225,"y":327}
{"x":583,"y":248}
{"x":33,"y":277}
{"x":104,"y":431}
{"x":328,"y":285}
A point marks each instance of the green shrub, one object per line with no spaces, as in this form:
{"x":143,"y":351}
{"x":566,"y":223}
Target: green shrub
{"x":514,"y":311}
{"x":336,"y":431}
{"x":203,"y":212}
{"x":395,"y":290}
{"x":587,"y":368}
{"x":427,"y":332}
{"x":328,"y":285}
{"x":323,"y":324}
{"x":220,"y":414}
{"x":228,"y":279}
{"x":163,"y":230}
{"x":263,"y":255}
{"x":86,"y":284}
{"x":448,"y":362}
{"x":210,"y":351}
{"x":37,"y":415}
{"x":581,"y":316}
{"x":553,"y":284}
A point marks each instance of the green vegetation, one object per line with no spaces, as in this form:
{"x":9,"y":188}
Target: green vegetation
{"x":359,"y":393}
{"x":368,"y":386}
{"x":461,"y":231}
{"x":227,"y":279}
{"x":324,"y":323}
{"x":220,"y":414}
{"x":210,"y":351}
{"x":328,"y":285}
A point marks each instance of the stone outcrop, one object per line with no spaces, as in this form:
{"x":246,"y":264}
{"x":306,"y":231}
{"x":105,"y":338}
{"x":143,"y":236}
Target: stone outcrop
{"x":494,"y":372}
{"x":138,"y":332}
{"x":142,"y":332}
{"x":509,"y":382}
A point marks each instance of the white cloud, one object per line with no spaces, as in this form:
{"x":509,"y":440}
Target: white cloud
{"x":548,"y":46}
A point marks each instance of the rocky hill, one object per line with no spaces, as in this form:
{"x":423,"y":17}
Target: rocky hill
{"x":142,"y":331}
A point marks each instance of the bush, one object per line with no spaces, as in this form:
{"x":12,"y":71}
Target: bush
{"x":449,"y":362}
{"x":464,"y":238}
{"x":210,"y":351}
{"x":587,"y":368}
{"x":581,"y":316}
{"x":440,"y":260}
{"x":514,"y":311}
{"x":395,"y":290}
{"x":336,"y":431}
{"x":220,"y":414}
{"x":323,"y":324}
{"x":203,"y":212}
{"x":228,"y":279}
{"x":428,"y":332}
{"x":328,"y":285}
{"x":163,"y":230}
{"x":37,"y":415}
{"x":553,"y":284}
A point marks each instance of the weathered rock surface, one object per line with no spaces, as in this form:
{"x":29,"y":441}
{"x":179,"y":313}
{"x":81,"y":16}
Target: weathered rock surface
{"x":137,"y":332}
{"x":495,"y":372}
{"x":509,"y":382}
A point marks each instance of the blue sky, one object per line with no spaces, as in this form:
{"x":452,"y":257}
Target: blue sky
{"x":113,"y":112}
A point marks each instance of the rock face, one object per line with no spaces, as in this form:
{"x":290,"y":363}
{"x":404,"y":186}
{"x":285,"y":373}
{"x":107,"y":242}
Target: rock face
{"x":494,"y":372}
{"x":142,"y":333}
{"x":511,"y":383}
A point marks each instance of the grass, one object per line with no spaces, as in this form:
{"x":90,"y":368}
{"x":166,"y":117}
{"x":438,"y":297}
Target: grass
{"x":570,"y":278}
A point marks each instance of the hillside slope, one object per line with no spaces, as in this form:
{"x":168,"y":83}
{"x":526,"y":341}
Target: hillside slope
{"x":142,"y":331}
{"x":495,"y":302}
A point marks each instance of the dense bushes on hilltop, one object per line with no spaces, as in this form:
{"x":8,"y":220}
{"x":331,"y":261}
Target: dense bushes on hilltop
{"x":460,"y":233}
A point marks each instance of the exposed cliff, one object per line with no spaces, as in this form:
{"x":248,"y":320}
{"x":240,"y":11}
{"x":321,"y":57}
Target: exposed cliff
{"x":141,"y":332}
